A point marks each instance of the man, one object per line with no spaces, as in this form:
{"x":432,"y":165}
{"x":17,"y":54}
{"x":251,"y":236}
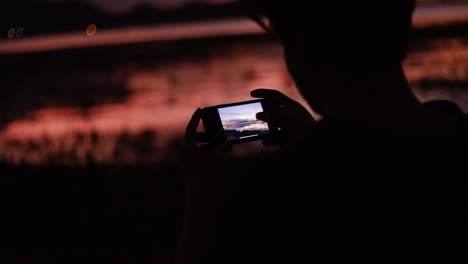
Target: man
{"x":350,"y":186}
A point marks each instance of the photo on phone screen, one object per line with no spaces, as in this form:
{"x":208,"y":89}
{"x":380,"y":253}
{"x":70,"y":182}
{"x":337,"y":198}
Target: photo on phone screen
{"x":240,"y":122}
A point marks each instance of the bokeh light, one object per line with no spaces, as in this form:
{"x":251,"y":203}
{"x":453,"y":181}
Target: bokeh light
{"x":91,"y":30}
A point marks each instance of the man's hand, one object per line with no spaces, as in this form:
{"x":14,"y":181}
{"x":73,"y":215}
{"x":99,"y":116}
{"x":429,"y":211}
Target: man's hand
{"x":295,"y":122}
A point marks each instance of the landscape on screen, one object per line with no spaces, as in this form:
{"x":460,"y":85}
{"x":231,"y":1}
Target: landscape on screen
{"x":240,"y":122}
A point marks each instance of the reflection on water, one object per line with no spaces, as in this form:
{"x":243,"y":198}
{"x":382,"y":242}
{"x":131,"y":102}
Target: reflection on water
{"x":133,"y":108}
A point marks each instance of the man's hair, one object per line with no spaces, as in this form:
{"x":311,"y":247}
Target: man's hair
{"x":363,"y":29}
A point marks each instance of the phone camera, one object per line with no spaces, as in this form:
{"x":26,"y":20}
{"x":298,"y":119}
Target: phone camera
{"x":11,"y":33}
{"x":19,"y":32}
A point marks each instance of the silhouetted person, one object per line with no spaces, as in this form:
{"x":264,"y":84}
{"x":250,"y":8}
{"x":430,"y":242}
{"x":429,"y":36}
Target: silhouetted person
{"x":376,"y":179}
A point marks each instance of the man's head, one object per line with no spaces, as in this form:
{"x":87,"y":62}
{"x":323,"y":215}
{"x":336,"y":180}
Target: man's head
{"x":331,"y":46}
{"x":363,"y":29}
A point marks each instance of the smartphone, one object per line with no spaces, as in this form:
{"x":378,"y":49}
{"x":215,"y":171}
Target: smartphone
{"x":237,"y":123}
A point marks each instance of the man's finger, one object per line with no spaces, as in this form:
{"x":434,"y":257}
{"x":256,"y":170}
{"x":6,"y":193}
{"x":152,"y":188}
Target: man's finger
{"x":223,"y":148}
{"x":191,"y":130}
{"x":274,"y":117}
{"x":202,"y":137}
{"x":270,"y":142}
{"x":270,"y":94}
{"x":262,"y":116}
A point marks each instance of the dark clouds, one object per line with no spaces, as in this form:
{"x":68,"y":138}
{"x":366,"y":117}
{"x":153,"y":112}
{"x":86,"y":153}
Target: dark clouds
{"x":117,"y":6}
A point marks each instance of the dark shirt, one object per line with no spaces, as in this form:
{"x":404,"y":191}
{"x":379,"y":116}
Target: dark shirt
{"x":355,"y":193}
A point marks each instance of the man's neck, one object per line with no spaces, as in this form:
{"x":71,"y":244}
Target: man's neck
{"x":384,"y":99}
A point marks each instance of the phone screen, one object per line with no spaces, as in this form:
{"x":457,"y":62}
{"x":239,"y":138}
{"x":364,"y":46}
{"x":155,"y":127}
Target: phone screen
{"x":240,"y":122}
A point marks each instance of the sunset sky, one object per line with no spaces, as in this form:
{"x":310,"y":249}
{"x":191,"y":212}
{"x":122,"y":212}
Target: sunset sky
{"x":242,"y":118}
{"x":118,"y":6}
{"x":163,"y":94}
